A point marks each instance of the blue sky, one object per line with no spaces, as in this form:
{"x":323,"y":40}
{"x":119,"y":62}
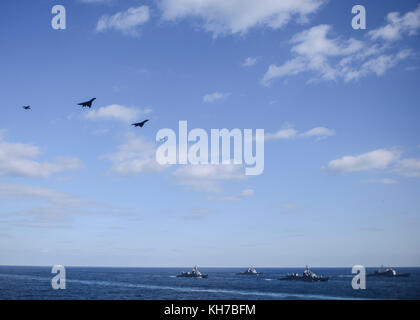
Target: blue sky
{"x":339,"y":107}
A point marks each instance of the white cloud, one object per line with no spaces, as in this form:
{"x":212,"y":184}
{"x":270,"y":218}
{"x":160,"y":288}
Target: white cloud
{"x":319,"y":133}
{"x":249,"y":62}
{"x":133,"y":157}
{"x":212,"y":97}
{"x":409,"y":167}
{"x":328,"y":58}
{"x":282,"y":134}
{"x":21,"y":191}
{"x":398,"y":25}
{"x":377,"y":159}
{"x":378,"y":65}
{"x":237,"y":16}
{"x":208,"y":177}
{"x":18,"y":159}
{"x":127,"y":22}
{"x":382,"y":63}
{"x":315,"y":43}
{"x":313,"y":49}
{"x":116,"y":112}
{"x":48,"y":208}
{"x":291,"y":133}
{"x":291,"y":67}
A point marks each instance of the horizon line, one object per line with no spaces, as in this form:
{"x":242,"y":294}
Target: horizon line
{"x":204,"y":267}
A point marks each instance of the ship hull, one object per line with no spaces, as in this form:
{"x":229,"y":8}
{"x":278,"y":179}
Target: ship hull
{"x":248,"y":274}
{"x":386,"y":275}
{"x":188,"y":276}
{"x":305,"y":279}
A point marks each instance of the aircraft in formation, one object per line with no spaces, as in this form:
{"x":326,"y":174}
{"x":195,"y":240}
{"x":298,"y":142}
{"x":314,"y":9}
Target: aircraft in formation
{"x":88,"y":104}
{"x":140,"y":124}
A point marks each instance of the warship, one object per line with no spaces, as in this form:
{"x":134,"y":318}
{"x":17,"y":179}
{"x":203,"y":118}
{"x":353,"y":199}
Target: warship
{"x":192,"y":274}
{"x":307,"y":276}
{"x":387,"y":272}
{"x":250,"y":271}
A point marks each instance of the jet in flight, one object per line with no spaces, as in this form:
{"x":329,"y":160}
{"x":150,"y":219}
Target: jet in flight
{"x":140,"y":124}
{"x":87,"y":103}
{"x":27,"y":107}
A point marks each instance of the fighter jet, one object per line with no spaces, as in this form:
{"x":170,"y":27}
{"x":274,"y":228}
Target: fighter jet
{"x":27,"y":107}
{"x":140,"y":124}
{"x":87,"y":103}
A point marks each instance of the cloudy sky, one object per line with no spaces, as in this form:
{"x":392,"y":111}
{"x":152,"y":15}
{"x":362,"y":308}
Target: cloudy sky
{"x":340,"y":109}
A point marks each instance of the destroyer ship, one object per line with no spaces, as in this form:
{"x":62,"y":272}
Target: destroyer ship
{"x":307,"y":275}
{"x":195,"y":273}
{"x":388,"y":272}
{"x":250,"y":271}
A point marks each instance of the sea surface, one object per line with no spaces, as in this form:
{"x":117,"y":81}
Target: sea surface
{"x":222,"y":284}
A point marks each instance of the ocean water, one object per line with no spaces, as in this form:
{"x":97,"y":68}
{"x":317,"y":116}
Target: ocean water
{"x":222,"y":284}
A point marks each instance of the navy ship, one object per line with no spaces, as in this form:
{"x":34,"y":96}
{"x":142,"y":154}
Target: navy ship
{"x":387,"y":272}
{"x":307,"y":275}
{"x":250,"y":271}
{"x":192,"y":274}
